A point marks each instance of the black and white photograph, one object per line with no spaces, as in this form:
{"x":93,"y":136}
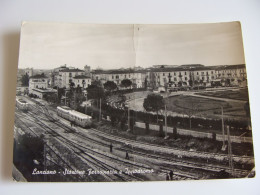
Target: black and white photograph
{"x":131,"y":103}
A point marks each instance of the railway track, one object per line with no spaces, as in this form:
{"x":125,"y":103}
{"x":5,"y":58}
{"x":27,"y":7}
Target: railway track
{"x":89,"y":155}
{"x":151,"y":147}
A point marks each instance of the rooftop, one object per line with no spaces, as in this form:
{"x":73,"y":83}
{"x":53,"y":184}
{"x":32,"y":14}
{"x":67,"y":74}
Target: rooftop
{"x":124,"y":71}
{"x":38,"y":76}
{"x":64,"y":107}
{"x":72,"y":70}
{"x":80,"y":115}
{"x":232,"y":66}
{"x":81,"y":77}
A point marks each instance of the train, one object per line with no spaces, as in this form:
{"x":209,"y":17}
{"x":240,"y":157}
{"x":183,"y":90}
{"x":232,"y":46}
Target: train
{"x":22,"y":104}
{"x":75,"y":117}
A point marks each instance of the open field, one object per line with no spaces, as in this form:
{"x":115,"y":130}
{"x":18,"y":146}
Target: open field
{"x":203,"y":107}
{"x":236,"y":94}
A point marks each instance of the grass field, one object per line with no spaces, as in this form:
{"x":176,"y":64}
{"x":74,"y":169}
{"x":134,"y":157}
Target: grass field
{"x":203,"y":107}
{"x":240,"y":94}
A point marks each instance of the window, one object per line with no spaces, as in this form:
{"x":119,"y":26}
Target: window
{"x":70,"y":74}
{"x":112,"y":77}
{"x":174,"y":73}
{"x":197,"y":73}
{"x":185,"y":74}
{"x":185,"y":78}
{"x":163,"y":74}
{"x":175,"y":79}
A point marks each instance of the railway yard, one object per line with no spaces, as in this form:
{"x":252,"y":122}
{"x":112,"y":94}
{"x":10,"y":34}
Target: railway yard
{"x":74,"y":153}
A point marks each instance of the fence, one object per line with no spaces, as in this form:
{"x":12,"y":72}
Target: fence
{"x":197,"y":134}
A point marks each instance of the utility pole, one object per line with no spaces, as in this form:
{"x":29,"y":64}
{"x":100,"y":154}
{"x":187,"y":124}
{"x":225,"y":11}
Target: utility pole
{"x":223,"y":130}
{"x":44,"y":155}
{"x":100,"y":109}
{"x":165,"y":121}
{"x":230,"y":153}
{"x":128,"y":116}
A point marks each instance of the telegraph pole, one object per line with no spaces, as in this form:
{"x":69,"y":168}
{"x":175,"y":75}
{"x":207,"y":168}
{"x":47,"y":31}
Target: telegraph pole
{"x":165,"y":121}
{"x":128,"y":116}
{"x":223,"y":130}
{"x":100,"y":110}
{"x":230,"y":153}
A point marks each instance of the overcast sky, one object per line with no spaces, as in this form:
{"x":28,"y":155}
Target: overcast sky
{"x":49,"y":45}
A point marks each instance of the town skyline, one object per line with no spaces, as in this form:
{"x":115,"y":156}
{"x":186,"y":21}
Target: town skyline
{"x":152,"y":66}
{"x":114,"y":46}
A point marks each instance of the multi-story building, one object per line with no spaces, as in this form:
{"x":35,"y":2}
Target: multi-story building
{"x":117,"y":76}
{"x":202,"y":75}
{"x":169,"y":77}
{"x":38,"y":82}
{"x":38,"y":85}
{"x":82,"y":81}
{"x":66,"y":76}
{"x":54,"y":81}
{"x":196,"y":75}
{"x":232,"y":74}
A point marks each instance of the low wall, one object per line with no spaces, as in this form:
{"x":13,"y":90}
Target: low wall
{"x":219,"y":137}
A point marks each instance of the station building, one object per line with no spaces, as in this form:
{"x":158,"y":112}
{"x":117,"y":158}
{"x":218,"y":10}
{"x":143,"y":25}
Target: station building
{"x":38,"y":86}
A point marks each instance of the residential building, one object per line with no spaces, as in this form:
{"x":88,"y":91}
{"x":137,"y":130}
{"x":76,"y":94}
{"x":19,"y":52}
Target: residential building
{"x":117,"y":76}
{"x":55,"y":75}
{"x":82,"y":81}
{"x":66,"y":76}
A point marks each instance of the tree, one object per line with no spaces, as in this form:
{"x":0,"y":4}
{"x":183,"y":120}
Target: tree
{"x":25,"y":80}
{"x":78,"y":99}
{"x":27,"y":149}
{"x":110,"y":86}
{"x":190,"y":82}
{"x":97,"y":83}
{"x":126,"y":83}
{"x":190,"y":109}
{"x":95,"y":92}
{"x":179,"y":83}
{"x":145,"y":83}
{"x":72,"y":85}
{"x":61,"y":91}
{"x":153,"y":103}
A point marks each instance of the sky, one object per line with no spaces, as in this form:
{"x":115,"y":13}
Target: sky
{"x":111,"y":46}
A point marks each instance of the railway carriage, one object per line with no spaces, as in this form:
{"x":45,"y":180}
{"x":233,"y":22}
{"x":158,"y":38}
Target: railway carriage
{"x":64,"y":112}
{"x":77,"y":118}
{"x":22,"y":105}
{"x":80,"y":119}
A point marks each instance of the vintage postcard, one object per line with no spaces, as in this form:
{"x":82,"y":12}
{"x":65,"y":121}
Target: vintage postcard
{"x":131,"y":102}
